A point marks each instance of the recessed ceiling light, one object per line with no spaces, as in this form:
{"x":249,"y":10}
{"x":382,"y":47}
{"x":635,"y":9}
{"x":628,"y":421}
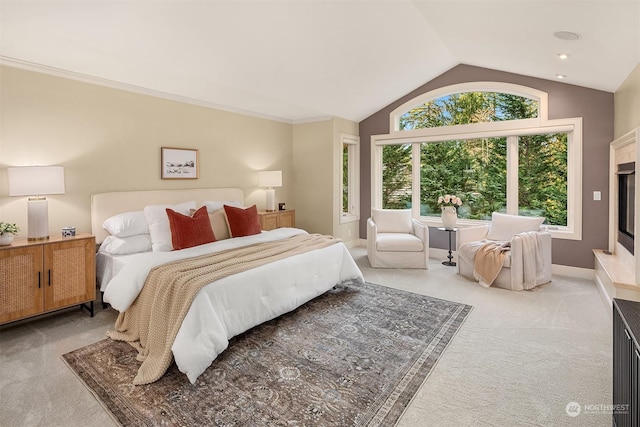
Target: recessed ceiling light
{"x":564,"y":55}
{"x":567,"y":35}
{"x":561,"y":76}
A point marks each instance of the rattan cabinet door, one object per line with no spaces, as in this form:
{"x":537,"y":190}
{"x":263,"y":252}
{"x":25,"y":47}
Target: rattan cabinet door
{"x":268,"y":220}
{"x":287,"y":219}
{"x":69,"y":269}
{"x":21,"y":283}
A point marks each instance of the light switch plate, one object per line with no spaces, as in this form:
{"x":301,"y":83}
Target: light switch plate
{"x":597,"y":195}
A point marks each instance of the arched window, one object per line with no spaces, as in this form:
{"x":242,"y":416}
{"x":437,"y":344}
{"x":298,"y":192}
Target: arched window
{"x":489,"y":143}
{"x":468,"y":108}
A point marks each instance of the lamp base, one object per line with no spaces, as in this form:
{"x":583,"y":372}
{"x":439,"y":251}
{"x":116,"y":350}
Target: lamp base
{"x":37,"y":219}
{"x":271,"y":200}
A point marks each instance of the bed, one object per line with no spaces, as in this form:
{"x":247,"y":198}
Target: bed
{"x":227,"y":306}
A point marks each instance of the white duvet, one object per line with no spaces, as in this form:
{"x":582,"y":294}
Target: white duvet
{"x":238,"y":302}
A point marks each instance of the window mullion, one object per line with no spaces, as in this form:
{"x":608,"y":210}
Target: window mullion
{"x":512,"y":175}
{"x":415,"y":180}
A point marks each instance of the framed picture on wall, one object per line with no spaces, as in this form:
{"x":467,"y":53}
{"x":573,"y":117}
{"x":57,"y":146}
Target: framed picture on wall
{"x":179,"y":163}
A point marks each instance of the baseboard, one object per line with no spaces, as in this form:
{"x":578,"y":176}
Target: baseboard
{"x":577,"y":272}
{"x":356,"y":243}
{"x":604,"y":295}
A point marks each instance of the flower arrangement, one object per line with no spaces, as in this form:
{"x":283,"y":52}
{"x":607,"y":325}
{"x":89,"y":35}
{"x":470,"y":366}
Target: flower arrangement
{"x":449,"y":200}
{"x":8,"y":228}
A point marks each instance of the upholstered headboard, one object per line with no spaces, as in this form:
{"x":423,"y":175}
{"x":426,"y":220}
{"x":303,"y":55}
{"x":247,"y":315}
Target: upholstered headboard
{"x":105,"y":205}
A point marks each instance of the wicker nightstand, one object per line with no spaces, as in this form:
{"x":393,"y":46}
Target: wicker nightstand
{"x":43,"y":276}
{"x":277,"y":219}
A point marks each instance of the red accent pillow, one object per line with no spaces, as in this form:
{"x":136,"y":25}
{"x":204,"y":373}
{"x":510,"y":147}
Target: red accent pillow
{"x":189,"y":231}
{"x":242,"y":222}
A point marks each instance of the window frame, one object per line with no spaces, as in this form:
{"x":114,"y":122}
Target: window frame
{"x":353,"y":159}
{"x":509,"y":129}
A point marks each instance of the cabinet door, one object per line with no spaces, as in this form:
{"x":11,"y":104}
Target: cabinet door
{"x":269,"y":221}
{"x":69,"y":269}
{"x":287,"y":219}
{"x":635,"y":388}
{"x":622,"y":372}
{"x":21,"y":283}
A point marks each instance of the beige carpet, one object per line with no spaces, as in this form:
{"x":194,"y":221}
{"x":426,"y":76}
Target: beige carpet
{"x":519,"y":359}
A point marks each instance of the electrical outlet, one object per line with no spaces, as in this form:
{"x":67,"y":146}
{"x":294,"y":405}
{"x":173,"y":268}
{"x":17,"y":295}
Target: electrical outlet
{"x":597,"y":195}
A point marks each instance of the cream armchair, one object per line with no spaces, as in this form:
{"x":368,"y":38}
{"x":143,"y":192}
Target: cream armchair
{"x":520,"y":270}
{"x":395,"y":240}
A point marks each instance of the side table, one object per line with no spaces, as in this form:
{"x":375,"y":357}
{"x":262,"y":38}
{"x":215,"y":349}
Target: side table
{"x":449,"y":262}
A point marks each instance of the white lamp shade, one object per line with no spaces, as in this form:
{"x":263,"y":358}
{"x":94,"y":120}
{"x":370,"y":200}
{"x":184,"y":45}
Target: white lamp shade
{"x":270,"y":179}
{"x":36,"y":180}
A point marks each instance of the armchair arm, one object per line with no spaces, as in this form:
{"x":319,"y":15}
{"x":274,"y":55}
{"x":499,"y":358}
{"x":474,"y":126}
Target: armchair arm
{"x":471,"y":234}
{"x":372,"y":235}
{"x":421,"y":231}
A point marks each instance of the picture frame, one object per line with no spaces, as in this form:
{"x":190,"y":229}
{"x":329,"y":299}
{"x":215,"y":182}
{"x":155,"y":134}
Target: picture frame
{"x":179,"y":163}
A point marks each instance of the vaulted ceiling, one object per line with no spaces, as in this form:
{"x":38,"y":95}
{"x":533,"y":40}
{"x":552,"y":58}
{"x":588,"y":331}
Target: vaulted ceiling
{"x":300,"y":60}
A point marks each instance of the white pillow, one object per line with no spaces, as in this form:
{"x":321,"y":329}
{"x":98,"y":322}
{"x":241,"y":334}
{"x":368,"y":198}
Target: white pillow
{"x":392,"y":220}
{"x":126,"y":245}
{"x":127,"y":224}
{"x":213,"y":206}
{"x":156,"y":216}
{"x":504,"y":226}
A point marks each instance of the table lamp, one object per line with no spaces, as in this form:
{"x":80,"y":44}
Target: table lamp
{"x":35,"y":182}
{"x":270,"y":179}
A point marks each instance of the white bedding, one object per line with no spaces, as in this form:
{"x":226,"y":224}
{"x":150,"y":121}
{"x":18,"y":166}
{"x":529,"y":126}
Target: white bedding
{"x":238,"y":302}
{"x":108,"y":266}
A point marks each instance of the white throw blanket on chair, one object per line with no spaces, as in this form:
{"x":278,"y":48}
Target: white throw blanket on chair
{"x":532,"y":259}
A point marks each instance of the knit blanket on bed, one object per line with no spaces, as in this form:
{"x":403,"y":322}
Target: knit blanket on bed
{"x":152,"y":322}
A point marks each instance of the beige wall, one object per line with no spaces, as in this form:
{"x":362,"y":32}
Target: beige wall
{"x":317,"y":154}
{"x":109,"y":140}
{"x":627,"y":104}
{"x":312,"y":163}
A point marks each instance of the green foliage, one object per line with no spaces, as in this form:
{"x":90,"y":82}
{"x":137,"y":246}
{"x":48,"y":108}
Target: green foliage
{"x":475,"y":169}
{"x":345,"y":178}
{"x":8,"y":228}
{"x":396,"y":176}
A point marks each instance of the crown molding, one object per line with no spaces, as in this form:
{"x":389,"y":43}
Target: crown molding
{"x":85,"y":78}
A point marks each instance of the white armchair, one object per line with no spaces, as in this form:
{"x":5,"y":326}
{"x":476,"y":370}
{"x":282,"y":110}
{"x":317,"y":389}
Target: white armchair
{"x":395,"y":240}
{"x":516,"y":272}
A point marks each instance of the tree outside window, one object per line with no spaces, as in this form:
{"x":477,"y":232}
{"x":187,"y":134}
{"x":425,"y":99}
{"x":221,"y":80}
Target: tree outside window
{"x":477,"y":169}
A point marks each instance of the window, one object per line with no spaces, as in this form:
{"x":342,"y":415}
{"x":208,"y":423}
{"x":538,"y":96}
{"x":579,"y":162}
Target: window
{"x":349,"y":178}
{"x":396,"y":176}
{"x":474,"y":170}
{"x":492,"y":146}
{"x":469,"y":107}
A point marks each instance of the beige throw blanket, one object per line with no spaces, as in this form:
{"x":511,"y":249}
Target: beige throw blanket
{"x":488,"y":261}
{"x":153,"y":320}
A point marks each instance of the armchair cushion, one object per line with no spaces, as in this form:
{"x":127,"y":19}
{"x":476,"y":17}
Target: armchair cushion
{"x":392,"y":220}
{"x":399,"y":242}
{"x":504,"y":227}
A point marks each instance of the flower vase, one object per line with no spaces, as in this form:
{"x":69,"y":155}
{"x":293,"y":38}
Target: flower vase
{"x":6,"y":239}
{"x":449,"y":217}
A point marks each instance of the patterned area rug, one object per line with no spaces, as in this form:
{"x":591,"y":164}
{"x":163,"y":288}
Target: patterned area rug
{"x":353,"y":356}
